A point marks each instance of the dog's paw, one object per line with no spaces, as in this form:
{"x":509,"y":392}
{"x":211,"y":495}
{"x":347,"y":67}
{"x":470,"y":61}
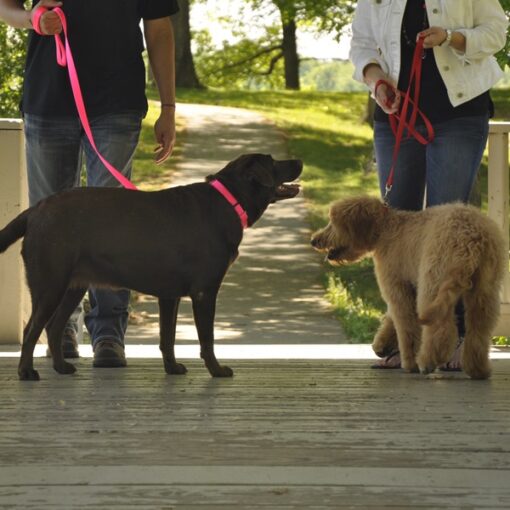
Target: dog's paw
{"x":175,"y":368}
{"x":28,"y":374}
{"x":427,"y":369}
{"x":222,"y":371}
{"x":65,"y":368}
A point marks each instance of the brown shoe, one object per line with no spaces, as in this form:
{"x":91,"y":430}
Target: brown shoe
{"x":69,"y":345}
{"x":109,"y":353}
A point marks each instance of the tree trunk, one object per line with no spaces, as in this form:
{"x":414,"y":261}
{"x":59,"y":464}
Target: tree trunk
{"x":185,"y":74}
{"x":290,"y":55}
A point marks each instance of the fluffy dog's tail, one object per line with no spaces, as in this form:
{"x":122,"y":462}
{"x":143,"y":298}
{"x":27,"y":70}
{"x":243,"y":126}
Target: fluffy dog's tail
{"x":447,"y":296}
{"x":14,"y":230}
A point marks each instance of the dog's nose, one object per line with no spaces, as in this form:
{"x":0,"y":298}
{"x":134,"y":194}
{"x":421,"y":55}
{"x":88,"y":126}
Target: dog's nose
{"x":314,"y":242}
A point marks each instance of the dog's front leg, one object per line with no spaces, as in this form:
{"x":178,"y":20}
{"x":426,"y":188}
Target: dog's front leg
{"x":168,"y":309}
{"x":204,"y":309}
{"x":385,"y":340}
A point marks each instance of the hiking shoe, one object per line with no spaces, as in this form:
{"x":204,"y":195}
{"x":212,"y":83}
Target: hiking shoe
{"x":109,"y":353}
{"x":69,"y":345}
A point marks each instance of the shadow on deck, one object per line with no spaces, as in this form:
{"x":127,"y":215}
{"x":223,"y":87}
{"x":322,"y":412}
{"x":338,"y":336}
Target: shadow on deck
{"x":294,"y":433}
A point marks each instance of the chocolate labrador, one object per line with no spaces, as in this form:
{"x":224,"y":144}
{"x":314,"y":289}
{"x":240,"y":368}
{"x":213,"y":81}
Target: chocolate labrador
{"x":171,"y":243}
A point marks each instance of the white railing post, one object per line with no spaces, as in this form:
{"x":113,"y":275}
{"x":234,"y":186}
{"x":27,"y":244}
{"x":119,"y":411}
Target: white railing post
{"x":13,"y":199}
{"x":498,"y":205}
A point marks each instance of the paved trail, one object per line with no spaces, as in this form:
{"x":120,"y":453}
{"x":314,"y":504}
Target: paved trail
{"x":273,"y":293}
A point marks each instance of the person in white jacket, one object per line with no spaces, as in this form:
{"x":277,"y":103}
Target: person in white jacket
{"x":459,"y":68}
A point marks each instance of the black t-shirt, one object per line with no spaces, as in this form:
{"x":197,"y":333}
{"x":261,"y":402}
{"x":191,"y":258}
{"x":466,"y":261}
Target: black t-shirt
{"x":107,"y":44}
{"x":434,"y":101}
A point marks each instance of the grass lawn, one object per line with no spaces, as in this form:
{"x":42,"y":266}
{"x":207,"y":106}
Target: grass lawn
{"x":325,"y":130}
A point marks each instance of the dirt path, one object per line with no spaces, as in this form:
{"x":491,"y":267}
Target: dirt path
{"x":273,"y":293}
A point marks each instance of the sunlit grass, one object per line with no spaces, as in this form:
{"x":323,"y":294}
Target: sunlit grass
{"x":326,"y":131}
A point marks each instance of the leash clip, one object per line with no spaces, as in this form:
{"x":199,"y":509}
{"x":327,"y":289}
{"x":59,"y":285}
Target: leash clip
{"x":386,"y":193}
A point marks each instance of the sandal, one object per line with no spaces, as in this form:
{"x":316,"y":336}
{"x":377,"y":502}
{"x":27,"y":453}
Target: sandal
{"x":389,"y":362}
{"x":454,"y":364}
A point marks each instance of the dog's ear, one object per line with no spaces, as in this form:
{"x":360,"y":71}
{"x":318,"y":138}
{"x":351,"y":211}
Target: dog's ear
{"x":360,"y":217}
{"x":261,"y":171}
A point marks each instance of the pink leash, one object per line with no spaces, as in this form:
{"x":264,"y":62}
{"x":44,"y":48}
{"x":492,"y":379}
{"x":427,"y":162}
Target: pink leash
{"x":65,"y":58}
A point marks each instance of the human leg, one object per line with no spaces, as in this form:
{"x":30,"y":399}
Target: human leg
{"x":453,"y":160}
{"x":116,"y":137}
{"x":410,"y":171}
{"x":54,"y":160}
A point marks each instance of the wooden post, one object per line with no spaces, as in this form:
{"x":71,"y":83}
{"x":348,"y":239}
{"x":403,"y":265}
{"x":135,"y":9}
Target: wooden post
{"x":498,"y":205}
{"x":13,"y":199}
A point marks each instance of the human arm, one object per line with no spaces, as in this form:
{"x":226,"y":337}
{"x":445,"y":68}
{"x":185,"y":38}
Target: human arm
{"x":484,"y":38}
{"x":159,"y":38}
{"x":369,"y":64}
{"x":14,"y":14}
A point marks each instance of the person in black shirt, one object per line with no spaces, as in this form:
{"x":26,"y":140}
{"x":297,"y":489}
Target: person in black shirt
{"x":107,"y":44}
{"x":458,"y":69}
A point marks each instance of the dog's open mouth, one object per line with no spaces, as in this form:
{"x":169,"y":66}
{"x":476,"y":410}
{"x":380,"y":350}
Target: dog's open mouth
{"x":284,"y":191}
{"x":334,"y":254}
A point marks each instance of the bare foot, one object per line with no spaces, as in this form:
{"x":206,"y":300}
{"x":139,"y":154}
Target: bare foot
{"x":454,"y":365}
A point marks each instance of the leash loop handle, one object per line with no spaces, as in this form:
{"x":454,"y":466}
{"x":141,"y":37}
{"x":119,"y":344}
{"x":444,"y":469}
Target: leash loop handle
{"x":65,"y":59}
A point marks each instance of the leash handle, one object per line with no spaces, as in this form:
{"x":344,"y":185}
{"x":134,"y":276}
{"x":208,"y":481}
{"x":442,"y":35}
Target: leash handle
{"x":399,"y":121}
{"x":65,"y":59}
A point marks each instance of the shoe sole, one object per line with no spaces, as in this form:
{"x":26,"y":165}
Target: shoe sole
{"x":109,"y":363}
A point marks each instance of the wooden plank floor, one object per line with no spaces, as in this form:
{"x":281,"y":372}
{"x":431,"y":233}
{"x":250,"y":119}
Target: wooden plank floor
{"x":280,"y":434}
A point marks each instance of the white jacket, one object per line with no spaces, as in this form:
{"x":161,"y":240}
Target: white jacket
{"x":376,"y":39}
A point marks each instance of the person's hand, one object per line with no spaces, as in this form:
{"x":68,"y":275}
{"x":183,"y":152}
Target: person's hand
{"x":49,"y":22}
{"x":164,"y":130}
{"x":433,"y":36}
{"x":387,"y":97}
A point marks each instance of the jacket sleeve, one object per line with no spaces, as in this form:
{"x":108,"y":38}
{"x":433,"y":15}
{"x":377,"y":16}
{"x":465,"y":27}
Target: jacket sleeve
{"x":364,"y":49}
{"x":488,"y":35}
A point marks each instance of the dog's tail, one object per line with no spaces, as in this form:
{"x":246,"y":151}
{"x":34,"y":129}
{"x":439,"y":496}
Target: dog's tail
{"x":14,"y":230}
{"x":447,"y":297}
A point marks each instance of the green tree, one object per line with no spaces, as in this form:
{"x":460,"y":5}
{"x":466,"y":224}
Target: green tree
{"x":504,"y":55}
{"x":12,"y":58}
{"x":272,"y":58}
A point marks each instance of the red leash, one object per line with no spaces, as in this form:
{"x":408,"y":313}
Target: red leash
{"x":65,"y":58}
{"x":399,"y":121}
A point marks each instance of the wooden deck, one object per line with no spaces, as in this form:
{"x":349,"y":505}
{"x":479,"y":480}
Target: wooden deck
{"x":280,"y":434}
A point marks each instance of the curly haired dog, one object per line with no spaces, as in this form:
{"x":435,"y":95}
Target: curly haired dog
{"x":424,"y":262}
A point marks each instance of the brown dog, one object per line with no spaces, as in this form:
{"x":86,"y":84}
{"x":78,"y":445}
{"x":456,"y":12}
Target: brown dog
{"x":171,"y":243}
{"x":425,"y":262}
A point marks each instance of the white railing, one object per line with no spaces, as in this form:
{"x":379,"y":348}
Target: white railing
{"x":498,"y":205}
{"x":14,"y":300}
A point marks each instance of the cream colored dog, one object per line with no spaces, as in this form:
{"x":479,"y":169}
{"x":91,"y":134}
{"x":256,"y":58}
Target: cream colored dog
{"x":425,"y":262}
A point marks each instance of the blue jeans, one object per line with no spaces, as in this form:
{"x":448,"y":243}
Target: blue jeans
{"x":445,"y":170}
{"x":55,"y":150}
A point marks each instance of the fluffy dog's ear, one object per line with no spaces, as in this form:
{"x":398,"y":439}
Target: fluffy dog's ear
{"x":360,"y":217}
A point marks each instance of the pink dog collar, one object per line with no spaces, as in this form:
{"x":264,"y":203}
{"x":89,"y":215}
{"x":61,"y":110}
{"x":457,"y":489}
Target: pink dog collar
{"x":243,"y":216}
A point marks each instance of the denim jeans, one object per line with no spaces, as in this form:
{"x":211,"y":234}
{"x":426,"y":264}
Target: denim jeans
{"x":55,"y":150}
{"x":440,"y":172}
{"x":444,"y":170}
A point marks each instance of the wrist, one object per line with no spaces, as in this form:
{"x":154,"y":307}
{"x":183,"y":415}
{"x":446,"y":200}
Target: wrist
{"x":448,"y":37}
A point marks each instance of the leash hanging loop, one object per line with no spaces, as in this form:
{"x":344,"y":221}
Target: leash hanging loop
{"x":65,"y":59}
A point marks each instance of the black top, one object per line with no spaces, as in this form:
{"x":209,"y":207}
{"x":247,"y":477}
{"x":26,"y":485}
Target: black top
{"x":107,"y":44}
{"x":434,"y":101}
